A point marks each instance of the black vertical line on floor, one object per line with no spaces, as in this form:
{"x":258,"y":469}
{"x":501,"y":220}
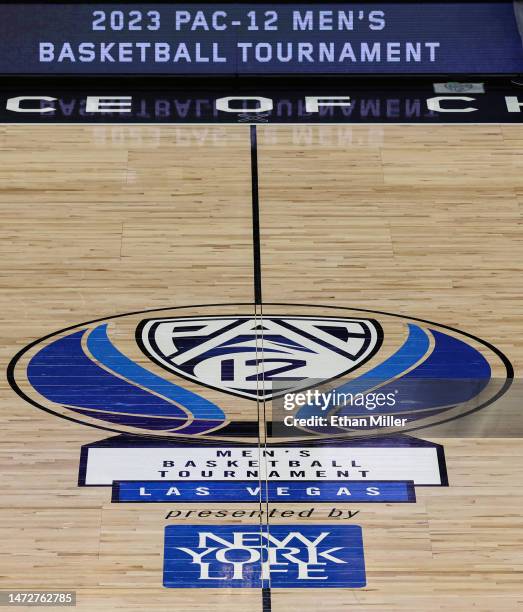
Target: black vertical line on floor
{"x":256,"y":251}
{"x":255,"y":218}
{"x":266,"y":600}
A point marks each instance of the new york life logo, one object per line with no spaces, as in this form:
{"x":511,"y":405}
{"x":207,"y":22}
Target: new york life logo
{"x":253,"y":556}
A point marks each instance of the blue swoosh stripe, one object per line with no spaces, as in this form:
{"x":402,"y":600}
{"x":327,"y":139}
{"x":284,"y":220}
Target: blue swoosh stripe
{"x":105,"y":352}
{"x":413,"y":349}
{"x":64,"y":374}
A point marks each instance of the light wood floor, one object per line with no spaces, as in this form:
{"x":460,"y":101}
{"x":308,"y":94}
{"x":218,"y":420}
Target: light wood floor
{"x":420,"y":220}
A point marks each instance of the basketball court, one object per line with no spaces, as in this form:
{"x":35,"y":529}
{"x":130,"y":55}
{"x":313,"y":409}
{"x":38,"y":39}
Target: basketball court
{"x":182,"y":260}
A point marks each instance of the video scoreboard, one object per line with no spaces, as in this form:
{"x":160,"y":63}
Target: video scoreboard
{"x":181,"y":38}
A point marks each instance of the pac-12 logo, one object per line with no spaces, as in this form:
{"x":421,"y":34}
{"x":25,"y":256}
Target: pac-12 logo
{"x":287,"y":556}
{"x":245,"y":355}
{"x":200,"y":371}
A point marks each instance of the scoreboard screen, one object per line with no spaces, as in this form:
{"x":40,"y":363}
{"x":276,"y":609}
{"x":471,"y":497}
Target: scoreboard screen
{"x":183,"y":38}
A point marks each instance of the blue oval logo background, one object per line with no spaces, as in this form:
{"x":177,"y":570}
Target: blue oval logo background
{"x":100,"y":373}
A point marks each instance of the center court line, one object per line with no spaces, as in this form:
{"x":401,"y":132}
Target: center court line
{"x":258,"y":309}
{"x":255,"y":218}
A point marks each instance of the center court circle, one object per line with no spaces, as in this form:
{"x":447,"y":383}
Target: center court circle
{"x":203,"y":371}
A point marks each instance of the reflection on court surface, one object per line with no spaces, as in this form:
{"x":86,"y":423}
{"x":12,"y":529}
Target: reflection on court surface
{"x":164,"y":287}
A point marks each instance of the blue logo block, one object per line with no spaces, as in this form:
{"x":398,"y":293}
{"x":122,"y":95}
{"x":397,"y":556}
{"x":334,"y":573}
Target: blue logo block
{"x":174,"y":491}
{"x":254,"y":556}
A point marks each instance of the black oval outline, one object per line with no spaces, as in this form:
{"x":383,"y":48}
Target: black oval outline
{"x":16,"y":388}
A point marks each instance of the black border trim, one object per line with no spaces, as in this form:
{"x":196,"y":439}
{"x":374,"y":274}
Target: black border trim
{"x":442,"y":463}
